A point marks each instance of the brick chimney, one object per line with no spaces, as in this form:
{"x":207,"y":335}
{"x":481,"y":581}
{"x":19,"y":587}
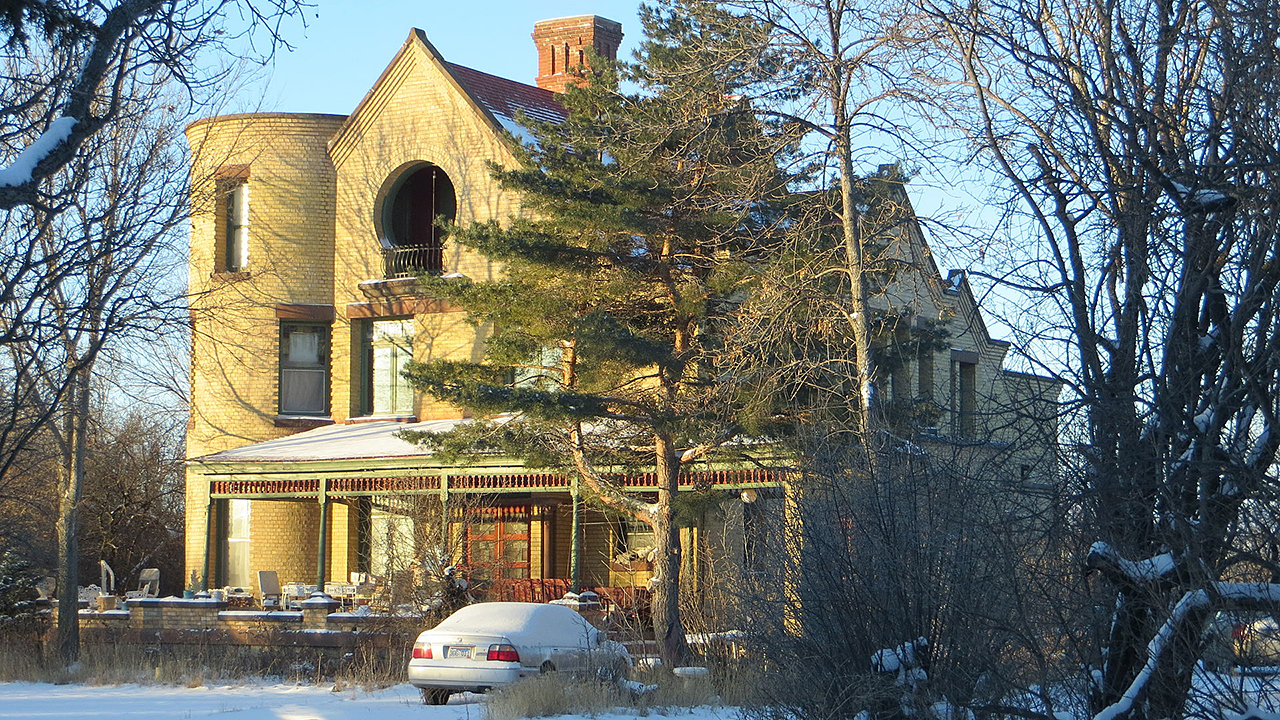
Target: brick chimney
{"x":563,"y":42}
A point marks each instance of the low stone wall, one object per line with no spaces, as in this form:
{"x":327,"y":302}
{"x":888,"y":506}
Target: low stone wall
{"x":206,"y":624}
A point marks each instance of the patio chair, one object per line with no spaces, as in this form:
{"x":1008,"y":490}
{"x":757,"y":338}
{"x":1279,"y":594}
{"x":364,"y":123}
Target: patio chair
{"x":148,"y":585}
{"x":269,"y":585}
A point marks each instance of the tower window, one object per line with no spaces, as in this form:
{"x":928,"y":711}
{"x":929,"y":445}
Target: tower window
{"x":233,"y":219}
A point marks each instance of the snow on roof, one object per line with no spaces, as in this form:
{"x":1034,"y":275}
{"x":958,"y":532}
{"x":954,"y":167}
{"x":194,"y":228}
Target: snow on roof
{"x":504,"y":98}
{"x":376,"y":439}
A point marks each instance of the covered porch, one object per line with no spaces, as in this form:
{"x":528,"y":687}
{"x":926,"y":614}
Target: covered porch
{"x":346,"y":502}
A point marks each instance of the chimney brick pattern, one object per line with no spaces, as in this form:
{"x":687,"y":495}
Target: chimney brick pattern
{"x":562,"y":46}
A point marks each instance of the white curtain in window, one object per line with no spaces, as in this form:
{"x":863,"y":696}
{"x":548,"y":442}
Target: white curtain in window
{"x":392,"y":349}
{"x":302,"y":371}
{"x":240,"y":226}
{"x":391,"y":542}
{"x":304,"y":347}
{"x":384,"y":367}
{"x":302,"y":391}
{"x":238,"y":512}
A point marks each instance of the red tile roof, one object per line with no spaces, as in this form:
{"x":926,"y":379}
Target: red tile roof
{"x":504,"y":97}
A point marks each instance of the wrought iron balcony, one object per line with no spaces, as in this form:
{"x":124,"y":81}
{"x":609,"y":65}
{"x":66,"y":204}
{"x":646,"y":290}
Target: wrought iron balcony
{"x":403,"y":262}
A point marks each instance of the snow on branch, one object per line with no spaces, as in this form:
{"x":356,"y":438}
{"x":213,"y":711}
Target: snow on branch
{"x":1202,"y":200}
{"x":20,"y":170}
{"x":1224,"y":595}
{"x":1190,"y":600}
{"x":1107,"y":559}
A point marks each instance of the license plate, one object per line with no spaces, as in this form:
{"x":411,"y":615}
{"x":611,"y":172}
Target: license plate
{"x":458,"y":651}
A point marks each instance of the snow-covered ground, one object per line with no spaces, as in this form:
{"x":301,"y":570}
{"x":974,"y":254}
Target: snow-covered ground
{"x":40,"y":701}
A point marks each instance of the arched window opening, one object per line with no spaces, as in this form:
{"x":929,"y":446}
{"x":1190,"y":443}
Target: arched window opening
{"x":421,"y":200}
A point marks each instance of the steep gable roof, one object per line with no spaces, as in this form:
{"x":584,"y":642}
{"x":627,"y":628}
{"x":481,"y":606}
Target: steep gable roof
{"x":504,"y":98}
{"x":495,"y":98}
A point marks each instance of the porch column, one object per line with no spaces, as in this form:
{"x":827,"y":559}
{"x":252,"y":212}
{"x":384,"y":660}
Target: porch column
{"x":575,"y":531}
{"x":208,"y":535}
{"x":446,"y":531}
{"x":322,"y":546}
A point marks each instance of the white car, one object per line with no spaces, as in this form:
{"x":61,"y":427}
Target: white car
{"x":487,"y":645}
{"x":1243,"y":641}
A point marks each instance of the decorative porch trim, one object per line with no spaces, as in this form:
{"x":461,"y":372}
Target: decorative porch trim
{"x":312,"y":488}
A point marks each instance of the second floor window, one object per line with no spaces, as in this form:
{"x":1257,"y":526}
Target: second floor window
{"x":389,"y":347}
{"x":304,"y":369}
{"x":416,"y":205}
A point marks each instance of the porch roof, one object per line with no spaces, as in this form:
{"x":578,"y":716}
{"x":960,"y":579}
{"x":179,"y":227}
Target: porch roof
{"x":367,"y":458}
{"x":355,"y":441}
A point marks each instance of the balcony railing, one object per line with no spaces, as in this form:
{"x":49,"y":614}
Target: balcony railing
{"x":403,"y":262}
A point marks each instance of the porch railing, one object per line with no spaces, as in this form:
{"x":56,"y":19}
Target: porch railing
{"x":632,"y":602}
{"x":403,"y":262}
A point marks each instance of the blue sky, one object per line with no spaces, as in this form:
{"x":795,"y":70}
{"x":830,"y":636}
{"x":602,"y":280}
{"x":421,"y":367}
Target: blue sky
{"x":347,"y":43}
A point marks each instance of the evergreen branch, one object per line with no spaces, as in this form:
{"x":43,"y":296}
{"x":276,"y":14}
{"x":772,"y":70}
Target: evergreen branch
{"x":609,"y":494}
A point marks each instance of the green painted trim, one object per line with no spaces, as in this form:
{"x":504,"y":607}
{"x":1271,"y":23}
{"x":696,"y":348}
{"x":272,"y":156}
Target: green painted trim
{"x":322,"y":543}
{"x":575,"y":534}
{"x":208,"y":536}
{"x":557,"y":490}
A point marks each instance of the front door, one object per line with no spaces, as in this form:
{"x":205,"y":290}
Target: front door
{"x":498,"y":544}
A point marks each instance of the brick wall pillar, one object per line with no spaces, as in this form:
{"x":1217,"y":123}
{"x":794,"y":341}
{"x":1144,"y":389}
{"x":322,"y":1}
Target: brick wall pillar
{"x":316,"y":609}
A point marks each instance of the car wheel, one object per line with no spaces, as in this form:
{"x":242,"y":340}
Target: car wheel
{"x":435,"y":696}
{"x":547,"y":667}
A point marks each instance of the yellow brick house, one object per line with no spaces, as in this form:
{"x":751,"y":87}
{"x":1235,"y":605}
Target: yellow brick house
{"x":307,"y":234}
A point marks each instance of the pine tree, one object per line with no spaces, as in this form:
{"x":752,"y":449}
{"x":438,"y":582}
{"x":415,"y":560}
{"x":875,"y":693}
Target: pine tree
{"x":645,"y":215}
{"x":18,"y":593}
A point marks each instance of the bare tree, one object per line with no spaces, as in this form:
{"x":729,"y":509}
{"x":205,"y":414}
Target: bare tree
{"x":835,"y":70}
{"x":73,"y":66}
{"x":93,"y":184}
{"x":123,"y":205}
{"x":133,"y":494}
{"x":1136,"y":147}
{"x":71,"y":71}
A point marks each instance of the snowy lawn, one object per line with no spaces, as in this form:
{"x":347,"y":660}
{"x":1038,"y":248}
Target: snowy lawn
{"x":40,"y":701}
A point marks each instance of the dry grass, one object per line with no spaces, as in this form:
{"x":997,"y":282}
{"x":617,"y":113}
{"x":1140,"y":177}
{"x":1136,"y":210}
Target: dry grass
{"x":554,"y":694}
{"x":561,"y":693}
{"x":196,"y":665}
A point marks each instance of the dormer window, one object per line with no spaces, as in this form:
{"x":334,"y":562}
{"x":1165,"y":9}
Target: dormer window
{"x":418,"y":202}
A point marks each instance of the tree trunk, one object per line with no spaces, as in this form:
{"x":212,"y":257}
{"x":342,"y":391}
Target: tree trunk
{"x":1125,"y":650}
{"x":68,"y":525}
{"x":668,"y":630}
{"x":851,"y":227}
